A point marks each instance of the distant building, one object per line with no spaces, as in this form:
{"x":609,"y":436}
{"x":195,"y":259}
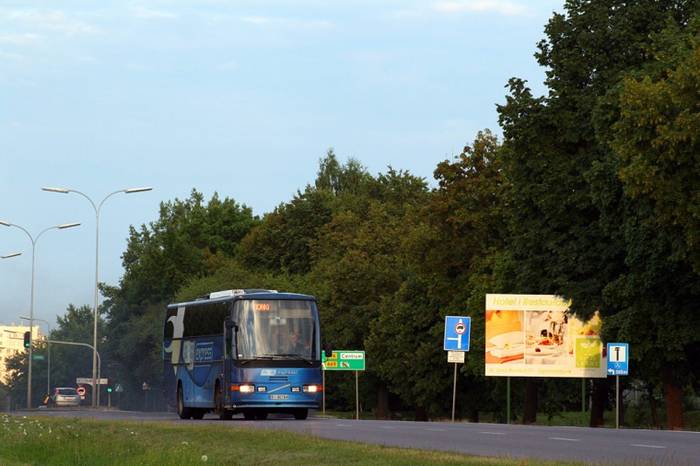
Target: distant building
{"x":11,"y":343}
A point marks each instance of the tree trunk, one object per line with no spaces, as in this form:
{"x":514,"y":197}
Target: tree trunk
{"x":382,"y":411}
{"x":599,"y":398}
{"x":674,"y":401}
{"x":653,"y":406}
{"x":530,"y":410}
{"x":622,"y":401}
{"x":421,"y":414}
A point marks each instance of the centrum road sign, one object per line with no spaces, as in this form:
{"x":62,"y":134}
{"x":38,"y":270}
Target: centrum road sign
{"x":343,"y":360}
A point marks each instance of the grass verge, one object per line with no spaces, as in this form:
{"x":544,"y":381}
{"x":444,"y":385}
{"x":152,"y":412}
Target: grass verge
{"x":45,"y":441}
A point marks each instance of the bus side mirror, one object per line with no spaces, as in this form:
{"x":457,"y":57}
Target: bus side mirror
{"x":230,"y":328}
{"x":230,"y":325}
{"x":328,"y":350}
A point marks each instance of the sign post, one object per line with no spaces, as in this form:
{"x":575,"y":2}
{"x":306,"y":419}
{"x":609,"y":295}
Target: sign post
{"x":618,"y":364}
{"x":343,"y":360}
{"x":456,"y":343}
{"x":323,"y":396}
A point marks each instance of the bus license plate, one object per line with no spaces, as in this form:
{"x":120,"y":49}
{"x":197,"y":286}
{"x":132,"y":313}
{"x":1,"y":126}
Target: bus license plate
{"x":279,"y":397}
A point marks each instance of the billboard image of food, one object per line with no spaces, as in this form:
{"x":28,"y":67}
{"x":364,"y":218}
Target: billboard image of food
{"x":536,"y":336}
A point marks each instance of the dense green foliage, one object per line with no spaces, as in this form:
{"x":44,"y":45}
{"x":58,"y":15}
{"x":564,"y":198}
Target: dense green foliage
{"x":592,"y":194}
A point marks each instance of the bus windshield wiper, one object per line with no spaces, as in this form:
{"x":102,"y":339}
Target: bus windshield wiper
{"x":295,"y":356}
{"x":266,"y":357}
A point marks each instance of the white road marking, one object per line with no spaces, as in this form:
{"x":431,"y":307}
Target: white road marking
{"x":387,"y":427}
{"x":641,"y":445}
{"x":564,"y":439}
{"x":343,"y":425}
{"x":492,"y":433}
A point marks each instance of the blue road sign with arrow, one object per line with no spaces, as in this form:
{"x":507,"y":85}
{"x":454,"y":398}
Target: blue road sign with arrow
{"x":457,"y":331}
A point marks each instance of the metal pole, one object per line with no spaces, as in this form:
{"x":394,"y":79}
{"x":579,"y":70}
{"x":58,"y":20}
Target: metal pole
{"x":357,"y":397}
{"x":454,"y":392}
{"x":323,"y":396}
{"x":95,"y":381}
{"x":617,"y":401}
{"x":508,"y":400}
{"x":31,"y":330}
{"x":31,"y":300}
{"x":96,"y":398}
{"x":48,"y":372}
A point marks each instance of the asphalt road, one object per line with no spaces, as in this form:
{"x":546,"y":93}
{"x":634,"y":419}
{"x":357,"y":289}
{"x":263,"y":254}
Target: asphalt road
{"x":607,"y":446}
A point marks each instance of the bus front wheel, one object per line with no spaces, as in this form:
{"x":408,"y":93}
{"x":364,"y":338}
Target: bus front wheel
{"x":249,"y":415}
{"x":301,"y":414}
{"x":219,"y":409}
{"x":182,"y":411}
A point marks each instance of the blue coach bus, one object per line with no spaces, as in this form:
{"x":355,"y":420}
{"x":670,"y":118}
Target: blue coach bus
{"x":243,"y":351}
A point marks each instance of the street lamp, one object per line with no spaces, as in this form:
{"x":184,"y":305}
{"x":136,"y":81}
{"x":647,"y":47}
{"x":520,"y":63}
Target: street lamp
{"x":97,"y":208}
{"x":48,"y":352}
{"x":62,"y":226}
{"x":14,"y":254}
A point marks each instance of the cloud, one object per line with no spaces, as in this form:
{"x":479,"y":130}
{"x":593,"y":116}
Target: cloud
{"x":19,"y":39}
{"x":291,"y":23}
{"x":11,"y":56}
{"x":503,"y":7}
{"x":50,"y":20}
{"x":142,"y":12}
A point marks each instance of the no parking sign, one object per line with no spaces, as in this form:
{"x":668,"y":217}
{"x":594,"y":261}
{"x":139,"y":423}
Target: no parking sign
{"x":457,"y":330}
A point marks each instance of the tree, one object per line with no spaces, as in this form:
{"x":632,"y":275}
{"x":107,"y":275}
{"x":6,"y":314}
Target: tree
{"x":445,"y":242}
{"x":655,"y":137}
{"x":561,"y":234}
{"x":190,"y":239}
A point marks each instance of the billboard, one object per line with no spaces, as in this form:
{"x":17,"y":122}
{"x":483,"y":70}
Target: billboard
{"x":535,"y":336}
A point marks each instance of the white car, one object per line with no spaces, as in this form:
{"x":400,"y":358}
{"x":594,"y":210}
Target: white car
{"x":65,"y":396}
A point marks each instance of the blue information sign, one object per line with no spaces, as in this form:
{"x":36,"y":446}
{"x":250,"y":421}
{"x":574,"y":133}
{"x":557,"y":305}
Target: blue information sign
{"x":457,"y":331}
{"x":618,"y":358}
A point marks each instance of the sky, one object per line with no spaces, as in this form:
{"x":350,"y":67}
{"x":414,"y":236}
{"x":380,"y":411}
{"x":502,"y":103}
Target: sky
{"x":237,"y":97}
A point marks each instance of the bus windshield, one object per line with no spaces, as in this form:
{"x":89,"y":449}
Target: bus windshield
{"x":277,"y":329}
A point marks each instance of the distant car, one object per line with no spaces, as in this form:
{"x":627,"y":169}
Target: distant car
{"x":65,"y":396}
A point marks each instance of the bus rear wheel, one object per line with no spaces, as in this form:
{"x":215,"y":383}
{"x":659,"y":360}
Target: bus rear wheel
{"x":182,"y":410}
{"x":301,"y":414}
{"x":198,"y":413}
{"x":249,"y":415}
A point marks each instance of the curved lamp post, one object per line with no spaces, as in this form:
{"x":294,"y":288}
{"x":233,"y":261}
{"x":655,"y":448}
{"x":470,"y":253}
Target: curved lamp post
{"x":97,"y":208}
{"x":62,"y":226}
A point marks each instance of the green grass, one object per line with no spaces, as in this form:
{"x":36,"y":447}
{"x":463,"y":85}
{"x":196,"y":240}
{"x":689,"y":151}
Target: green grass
{"x":48,"y":441}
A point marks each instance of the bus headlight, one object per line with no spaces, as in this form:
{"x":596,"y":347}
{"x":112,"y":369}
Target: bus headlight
{"x":243,"y":388}
{"x":313,"y":388}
